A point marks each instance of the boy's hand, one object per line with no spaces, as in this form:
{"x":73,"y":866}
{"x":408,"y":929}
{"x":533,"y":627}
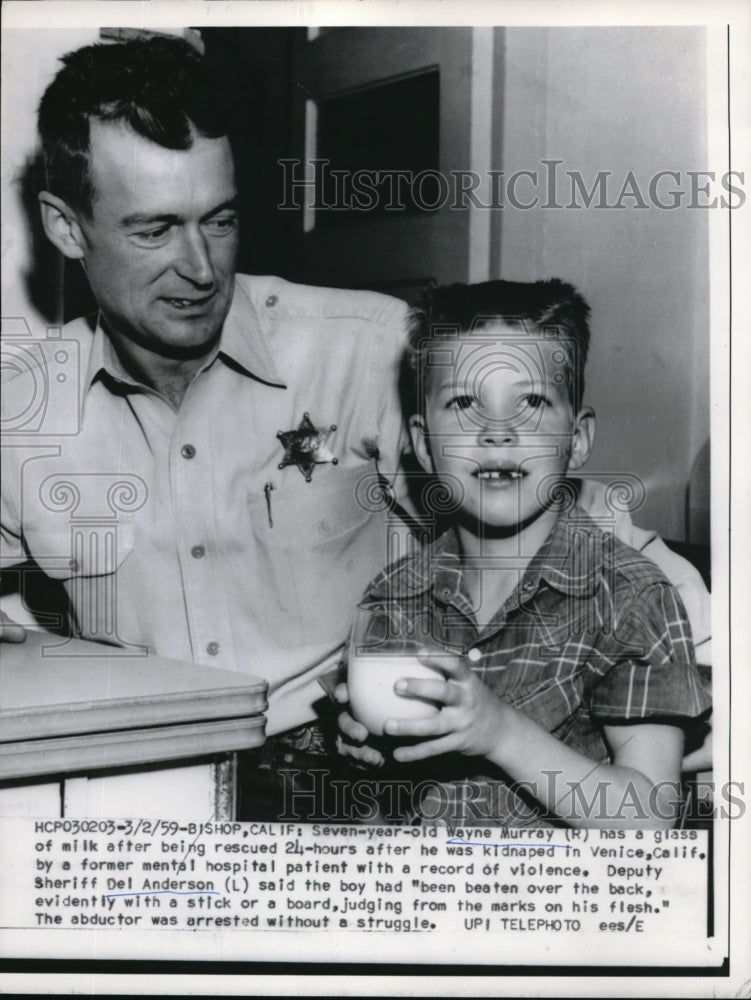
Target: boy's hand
{"x":470,"y":722}
{"x":352,"y":734}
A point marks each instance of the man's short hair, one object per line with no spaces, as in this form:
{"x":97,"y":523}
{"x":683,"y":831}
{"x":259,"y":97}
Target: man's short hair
{"x":550,"y":308}
{"x":159,"y":87}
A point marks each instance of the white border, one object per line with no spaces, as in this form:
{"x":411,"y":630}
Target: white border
{"x":169,"y":13}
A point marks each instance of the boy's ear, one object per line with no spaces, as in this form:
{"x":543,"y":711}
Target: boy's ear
{"x":420,"y":442}
{"x":582,"y":438}
{"x":62,"y":226}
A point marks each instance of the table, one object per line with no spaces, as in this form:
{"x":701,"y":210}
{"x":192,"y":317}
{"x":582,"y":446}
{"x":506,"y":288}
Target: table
{"x":92,"y":730}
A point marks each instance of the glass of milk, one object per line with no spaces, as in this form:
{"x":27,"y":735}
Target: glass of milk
{"x":376,"y":661}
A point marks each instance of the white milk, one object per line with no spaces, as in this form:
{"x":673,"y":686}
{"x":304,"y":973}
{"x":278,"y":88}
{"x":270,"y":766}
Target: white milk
{"x":371,"y":678}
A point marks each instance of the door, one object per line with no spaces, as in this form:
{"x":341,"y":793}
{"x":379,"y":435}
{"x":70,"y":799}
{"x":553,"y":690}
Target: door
{"x":387,"y":124}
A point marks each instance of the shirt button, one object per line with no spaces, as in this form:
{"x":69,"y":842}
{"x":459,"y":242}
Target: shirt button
{"x":446,"y":591}
{"x":213,"y":648}
{"x":271,"y":301}
{"x":198,"y":551}
{"x":187,"y":451}
{"x":474,"y":655}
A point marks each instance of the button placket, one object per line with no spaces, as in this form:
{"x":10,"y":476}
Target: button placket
{"x":191,"y":469}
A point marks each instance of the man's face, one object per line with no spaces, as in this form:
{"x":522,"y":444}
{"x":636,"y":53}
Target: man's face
{"x":498,"y":427}
{"x":161,"y":244}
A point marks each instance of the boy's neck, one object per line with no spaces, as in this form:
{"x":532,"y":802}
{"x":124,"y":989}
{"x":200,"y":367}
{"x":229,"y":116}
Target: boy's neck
{"x":493,"y":564}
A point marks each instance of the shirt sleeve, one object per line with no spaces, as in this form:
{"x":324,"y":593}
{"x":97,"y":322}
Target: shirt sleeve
{"x":684,"y":577}
{"x":688,"y":582}
{"x":654,"y":674}
{"x":393,"y":438}
{"x":394,"y":447}
{"x":12,"y":550}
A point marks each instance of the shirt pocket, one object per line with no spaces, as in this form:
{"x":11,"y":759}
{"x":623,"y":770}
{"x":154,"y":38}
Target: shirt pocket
{"x":70,"y":551}
{"x":317,"y":548}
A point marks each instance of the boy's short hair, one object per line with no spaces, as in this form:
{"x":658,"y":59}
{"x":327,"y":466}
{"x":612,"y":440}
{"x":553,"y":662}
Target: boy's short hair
{"x":160,"y":87}
{"x":552,"y":307}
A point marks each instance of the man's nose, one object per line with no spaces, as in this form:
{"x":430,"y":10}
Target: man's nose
{"x":194,"y":262}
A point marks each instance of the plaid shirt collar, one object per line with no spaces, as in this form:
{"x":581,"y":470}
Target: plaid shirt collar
{"x":568,"y":561}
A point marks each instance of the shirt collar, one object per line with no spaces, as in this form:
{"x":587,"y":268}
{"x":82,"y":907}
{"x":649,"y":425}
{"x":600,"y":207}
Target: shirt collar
{"x":416,"y":574}
{"x":242,"y":343}
{"x":103,"y":358}
{"x":571,"y":557}
{"x":568,"y":561}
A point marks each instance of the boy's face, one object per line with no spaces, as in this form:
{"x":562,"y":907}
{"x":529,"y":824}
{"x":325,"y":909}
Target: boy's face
{"x":499,"y":429}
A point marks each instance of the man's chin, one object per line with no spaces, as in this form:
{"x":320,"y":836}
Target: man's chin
{"x":167,"y":338}
{"x":189,"y":335}
{"x":192,"y":345}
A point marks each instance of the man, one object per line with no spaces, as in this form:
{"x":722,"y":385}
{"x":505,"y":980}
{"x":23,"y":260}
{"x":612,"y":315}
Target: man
{"x":213,"y":500}
{"x":238,"y":415}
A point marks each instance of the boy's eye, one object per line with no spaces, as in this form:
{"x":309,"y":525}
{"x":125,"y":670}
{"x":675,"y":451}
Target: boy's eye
{"x":462,"y":401}
{"x":534,"y":400}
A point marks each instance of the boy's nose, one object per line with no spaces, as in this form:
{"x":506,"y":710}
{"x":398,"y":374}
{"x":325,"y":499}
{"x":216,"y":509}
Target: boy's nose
{"x":497,"y":433}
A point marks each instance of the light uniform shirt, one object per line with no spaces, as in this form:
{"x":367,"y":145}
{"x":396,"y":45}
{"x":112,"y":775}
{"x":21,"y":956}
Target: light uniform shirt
{"x":176,"y":532}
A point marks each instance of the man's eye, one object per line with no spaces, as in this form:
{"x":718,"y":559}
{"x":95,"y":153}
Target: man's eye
{"x":153,"y":235}
{"x":534,"y":400}
{"x":223,"y":224}
{"x":461,"y":402}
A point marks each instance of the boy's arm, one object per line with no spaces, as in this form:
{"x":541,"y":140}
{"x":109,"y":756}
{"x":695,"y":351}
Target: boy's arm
{"x":684,"y":577}
{"x":639,"y":789}
{"x":649,"y":676}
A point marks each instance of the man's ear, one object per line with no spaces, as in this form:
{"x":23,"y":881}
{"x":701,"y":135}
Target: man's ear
{"x":582,"y":438}
{"x":420,"y":442}
{"x":62,"y":226}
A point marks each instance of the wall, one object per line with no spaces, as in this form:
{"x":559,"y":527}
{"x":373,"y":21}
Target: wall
{"x":597,"y":99}
{"x":619,"y":99}
{"x":31,"y":269}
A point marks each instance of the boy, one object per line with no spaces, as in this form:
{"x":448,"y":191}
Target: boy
{"x":572,"y":677}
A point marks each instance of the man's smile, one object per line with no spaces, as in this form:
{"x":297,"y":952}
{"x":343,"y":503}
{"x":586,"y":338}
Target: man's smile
{"x":186,"y":302}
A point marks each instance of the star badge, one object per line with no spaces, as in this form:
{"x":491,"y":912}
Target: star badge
{"x":306,"y":446}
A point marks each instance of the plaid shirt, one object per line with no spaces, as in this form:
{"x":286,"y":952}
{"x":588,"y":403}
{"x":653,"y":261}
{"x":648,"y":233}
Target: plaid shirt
{"x":593,"y":634}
